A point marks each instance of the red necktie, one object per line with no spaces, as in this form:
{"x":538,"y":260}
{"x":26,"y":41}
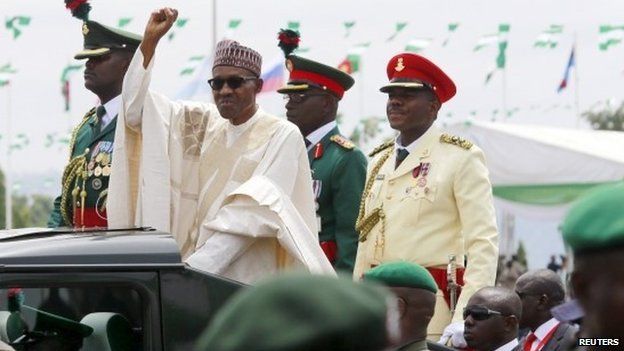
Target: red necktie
{"x":528,"y":342}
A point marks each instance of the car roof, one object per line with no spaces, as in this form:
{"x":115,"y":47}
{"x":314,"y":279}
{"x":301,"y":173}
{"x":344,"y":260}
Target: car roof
{"x":139,"y":246}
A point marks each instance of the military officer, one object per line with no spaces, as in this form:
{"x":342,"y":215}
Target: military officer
{"x":338,"y":167}
{"x":416,"y":291}
{"x":428,"y":199}
{"x":82,"y":203}
{"x":594,"y":230}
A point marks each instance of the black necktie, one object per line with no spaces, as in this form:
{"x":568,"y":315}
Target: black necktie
{"x":100,"y":111}
{"x":401,"y":155}
{"x":307,"y":142}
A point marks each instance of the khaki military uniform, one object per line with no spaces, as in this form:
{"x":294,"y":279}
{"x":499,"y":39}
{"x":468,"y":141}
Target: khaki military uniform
{"x":437,"y":203}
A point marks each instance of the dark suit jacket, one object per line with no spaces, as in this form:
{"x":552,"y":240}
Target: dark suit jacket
{"x":563,"y":338}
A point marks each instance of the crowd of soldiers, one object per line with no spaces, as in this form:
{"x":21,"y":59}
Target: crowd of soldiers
{"x":243,"y":192}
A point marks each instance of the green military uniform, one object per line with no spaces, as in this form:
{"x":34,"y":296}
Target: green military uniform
{"x":338,"y":168}
{"x":88,"y":170}
{"x":85,"y":179}
{"x":338,"y":173}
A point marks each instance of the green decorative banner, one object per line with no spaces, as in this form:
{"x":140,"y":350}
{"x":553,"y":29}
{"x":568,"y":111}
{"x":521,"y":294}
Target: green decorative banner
{"x":544,"y":194}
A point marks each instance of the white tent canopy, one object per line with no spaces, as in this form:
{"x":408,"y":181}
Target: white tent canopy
{"x":537,"y":171}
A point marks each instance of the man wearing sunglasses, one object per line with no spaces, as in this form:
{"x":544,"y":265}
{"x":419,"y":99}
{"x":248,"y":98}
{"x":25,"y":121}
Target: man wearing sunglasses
{"x":539,"y":292}
{"x":338,"y":167}
{"x":491,"y":320}
{"x":427,"y":197}
{"x":230,"y":181}
{"x":82,"y":203}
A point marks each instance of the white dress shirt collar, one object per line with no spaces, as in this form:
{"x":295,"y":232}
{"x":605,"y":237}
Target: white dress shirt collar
{"x":508,"y":346}
{"x":316,"y":136}
{"x":112,"y":109}
{"x":543,"y":330}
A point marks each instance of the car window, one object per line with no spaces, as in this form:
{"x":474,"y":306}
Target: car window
{"x":71,"y":318}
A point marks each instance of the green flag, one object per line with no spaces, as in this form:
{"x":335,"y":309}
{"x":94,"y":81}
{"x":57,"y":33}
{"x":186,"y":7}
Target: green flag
{"x":293,"y":25}
{"x":486,"y":41}
{"x":609,"y":36}
{"x":549,"y":38}
{"x":16,"y":24}
{"x":124,"y":21}
{"x":234,"y":23}
{"x":398,"y":28}
{"x":452,"y":27}
{"x":348,"y":26}
{"x":418,"y":44}
{"x":180,"y":23}
{"x":503,"y":30}
{"x":68,"y":70}
{"x":8,"y":69}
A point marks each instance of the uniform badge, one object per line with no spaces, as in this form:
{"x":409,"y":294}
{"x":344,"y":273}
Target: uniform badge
{"x":399,"y":66}
{"x":424,"y":168}
{"x":106,"y":171}
{"x":97,"y":171}
{"x":96,"y":184}
{"x":416,"y":172}
{"x":85,"y":29}
{"x":318,"y":151}
{"x":380,"y":177}
{"x":422,"y":182}
{"x":289,"y":65}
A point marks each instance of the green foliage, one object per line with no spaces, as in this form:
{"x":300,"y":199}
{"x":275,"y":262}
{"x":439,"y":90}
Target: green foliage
{"x":606,"y":117}
{"x":30,"y":211}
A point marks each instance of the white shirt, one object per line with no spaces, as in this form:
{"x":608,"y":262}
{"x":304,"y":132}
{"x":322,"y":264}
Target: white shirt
{"x":508,"y":346}
{"x":411,"y":147}
{"x":542,"y":331}
{"x":112,"y":109}
{"x":316,"y":136}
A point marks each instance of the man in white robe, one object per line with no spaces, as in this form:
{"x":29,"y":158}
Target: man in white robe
{"x":229,"y":181}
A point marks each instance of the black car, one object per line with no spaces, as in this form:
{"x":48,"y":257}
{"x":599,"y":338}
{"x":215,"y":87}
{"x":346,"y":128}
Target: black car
{"x":103,"y":290}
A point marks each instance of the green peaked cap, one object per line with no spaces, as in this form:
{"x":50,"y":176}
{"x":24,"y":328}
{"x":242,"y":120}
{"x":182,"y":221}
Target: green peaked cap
{"x":100,"y":39}
{"x":402,"y":274}
{"x":298,"y":312}
{"x":596,"y":221}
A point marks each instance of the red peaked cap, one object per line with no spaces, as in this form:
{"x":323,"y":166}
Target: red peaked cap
{"x":411,"y":67}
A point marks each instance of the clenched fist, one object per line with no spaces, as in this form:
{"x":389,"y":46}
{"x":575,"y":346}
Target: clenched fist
{"x":160,"y":22}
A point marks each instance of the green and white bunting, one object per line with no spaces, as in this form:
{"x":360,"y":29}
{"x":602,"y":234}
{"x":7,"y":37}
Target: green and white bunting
{"x":124,"y":21}
{"x":549,"y":38}
{"x":16,"y":24}
{"x":293,"y":25}
{"x":486,"y":41}
{"x":191,"y":65}
{"x":353,"y":62}
{"x":503,"y":31}
{"x":418,"y":44}
{"x":6,"y":71}
{"x":399,"y":26}
{"x":348,"y":26}
{"x":179,"y":24}
{"x":610,"y":36}
{"x":452,"y":27}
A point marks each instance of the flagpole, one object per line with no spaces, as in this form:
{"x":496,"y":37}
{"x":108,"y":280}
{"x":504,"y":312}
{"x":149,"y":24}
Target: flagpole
{"x":576,"y":84}
{"x":8,"y":193}
{"x":504,"y":93}
{"x":214,"y":23}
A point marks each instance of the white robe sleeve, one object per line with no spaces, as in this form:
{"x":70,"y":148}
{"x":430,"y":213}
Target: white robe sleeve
{"x":277,"y":202}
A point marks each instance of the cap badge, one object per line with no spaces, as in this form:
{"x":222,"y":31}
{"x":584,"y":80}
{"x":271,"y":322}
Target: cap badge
{"x":399,"y":66}
{"x":85,"y":29}
{"x":289,"y":65}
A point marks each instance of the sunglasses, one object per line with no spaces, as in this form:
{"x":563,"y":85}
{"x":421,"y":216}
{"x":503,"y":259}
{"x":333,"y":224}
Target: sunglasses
{"x":232,"y":82}
{"x":298,"y":97}
{"x":480,"y":313}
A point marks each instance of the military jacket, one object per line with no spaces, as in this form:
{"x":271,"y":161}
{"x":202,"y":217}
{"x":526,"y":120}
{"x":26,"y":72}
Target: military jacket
{"x":338,"y":173}
{"x":437,"y":203}
{"x":90,"y":155}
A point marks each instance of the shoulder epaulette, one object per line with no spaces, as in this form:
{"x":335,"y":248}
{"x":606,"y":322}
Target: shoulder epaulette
{"x":342,"y":141}
{"x":455,"y":140}
{"x":381,"y":147}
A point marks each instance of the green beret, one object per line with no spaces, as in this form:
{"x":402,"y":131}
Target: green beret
{"x":596,"y":221}
{"x":402,"y":274}
{"x":301,"y":313}
{"x":100,"y":39}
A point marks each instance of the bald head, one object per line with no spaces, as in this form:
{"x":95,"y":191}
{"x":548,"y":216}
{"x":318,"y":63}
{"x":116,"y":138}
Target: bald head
{"x":500,"y":299}
{"x":539,"y":291}
{"x":542,"y":281}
